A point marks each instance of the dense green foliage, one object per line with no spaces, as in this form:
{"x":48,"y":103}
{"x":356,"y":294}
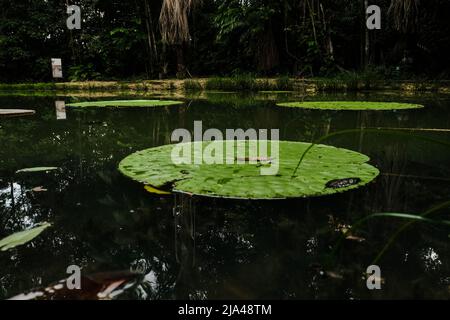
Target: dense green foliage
{"x":124,"y":39}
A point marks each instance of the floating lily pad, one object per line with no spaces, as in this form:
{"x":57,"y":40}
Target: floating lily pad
{"x":125,"y":103}
{"x":16,"y":112}
{"x":243,"y":180}
{"x":37,"y":169}
{"x":22,"y":237}
{"x":350,"y":105}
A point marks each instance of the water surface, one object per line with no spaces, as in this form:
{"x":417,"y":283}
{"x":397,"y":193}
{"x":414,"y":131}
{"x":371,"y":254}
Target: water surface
{"x":212,"y":248}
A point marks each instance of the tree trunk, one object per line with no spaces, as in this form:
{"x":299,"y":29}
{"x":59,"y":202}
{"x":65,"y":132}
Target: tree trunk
{"x":181,"y":67}
{"x":367,"y":38}
{"x":151,"y":39}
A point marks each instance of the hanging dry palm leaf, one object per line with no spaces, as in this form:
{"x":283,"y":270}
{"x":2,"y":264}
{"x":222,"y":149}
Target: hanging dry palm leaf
{"x":405,"y":14}
{"x":174,"y":20}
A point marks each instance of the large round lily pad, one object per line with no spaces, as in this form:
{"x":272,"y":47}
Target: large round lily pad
{"x":350,"y":105}
{"x":125,"y":103}
{"x":321,"y":165}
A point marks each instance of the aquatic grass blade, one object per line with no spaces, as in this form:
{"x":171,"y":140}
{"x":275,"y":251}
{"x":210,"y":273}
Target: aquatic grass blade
{"x":22,"y":237}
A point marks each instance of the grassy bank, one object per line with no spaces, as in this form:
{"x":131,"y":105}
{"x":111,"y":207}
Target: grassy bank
{"x":239,"y":83}
{"x":163,"y":85}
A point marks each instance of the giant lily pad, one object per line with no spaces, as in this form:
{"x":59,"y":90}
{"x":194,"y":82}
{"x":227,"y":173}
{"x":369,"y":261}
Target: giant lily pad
{"x":125,"y":103}
{"x":350,"y":105}
{"x":321,"y":165}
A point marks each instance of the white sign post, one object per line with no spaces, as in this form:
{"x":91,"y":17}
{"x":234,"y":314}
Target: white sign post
{"x":57,"y":68}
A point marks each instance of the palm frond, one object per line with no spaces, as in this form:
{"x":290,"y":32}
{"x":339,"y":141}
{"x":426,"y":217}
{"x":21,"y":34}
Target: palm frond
{"x":405,"y":14}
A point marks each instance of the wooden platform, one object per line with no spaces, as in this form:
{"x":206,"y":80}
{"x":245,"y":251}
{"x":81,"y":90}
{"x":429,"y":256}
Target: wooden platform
{"x":15,"y":112}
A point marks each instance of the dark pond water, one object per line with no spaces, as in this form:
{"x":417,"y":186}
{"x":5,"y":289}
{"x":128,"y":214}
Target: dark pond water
{"x":229,"y":249}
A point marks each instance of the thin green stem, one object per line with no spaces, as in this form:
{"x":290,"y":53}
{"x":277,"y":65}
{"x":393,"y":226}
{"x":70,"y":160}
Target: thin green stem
{"x":368,"y":130}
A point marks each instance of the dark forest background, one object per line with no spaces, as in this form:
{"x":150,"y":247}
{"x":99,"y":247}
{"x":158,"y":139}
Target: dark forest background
{"x":167,"y":38}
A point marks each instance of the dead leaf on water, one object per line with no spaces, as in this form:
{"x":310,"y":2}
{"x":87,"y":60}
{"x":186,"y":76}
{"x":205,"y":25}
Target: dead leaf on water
{"x":355,"y":238}
{"x":39,"y":189}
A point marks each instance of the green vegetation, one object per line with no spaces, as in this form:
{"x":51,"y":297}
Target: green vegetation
{"x":182,"y":219}
{"x":125,"y":103}
{"x":229,"y":84}
{"x":249,"y":83}
{"x":22,"y":237}
{"x":244,"y":180}
{"x":192,"y":85}
{"x":350,"y":105}
{"x":173,"y":38}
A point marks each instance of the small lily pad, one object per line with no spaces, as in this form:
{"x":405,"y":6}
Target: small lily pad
{"x":321,"y":165}
{"x":350,"y":105}
{"x":37,"y":169}
{"x":125,"y":103}
{"x":22,"y":237}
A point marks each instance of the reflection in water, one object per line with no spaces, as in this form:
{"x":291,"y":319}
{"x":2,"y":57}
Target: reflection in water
{"x":17,"y":207}
{"x":195,"y":248}
{"x":9,"y":194}
{"x":184,"y":212}
{"x":431,"y":259}
{"x":60,"y":107}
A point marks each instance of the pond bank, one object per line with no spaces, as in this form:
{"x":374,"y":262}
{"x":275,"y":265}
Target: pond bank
{"x":309,"y":86}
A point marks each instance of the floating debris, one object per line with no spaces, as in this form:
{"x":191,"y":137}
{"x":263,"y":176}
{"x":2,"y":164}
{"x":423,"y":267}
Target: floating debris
{"x":39,"y":189}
